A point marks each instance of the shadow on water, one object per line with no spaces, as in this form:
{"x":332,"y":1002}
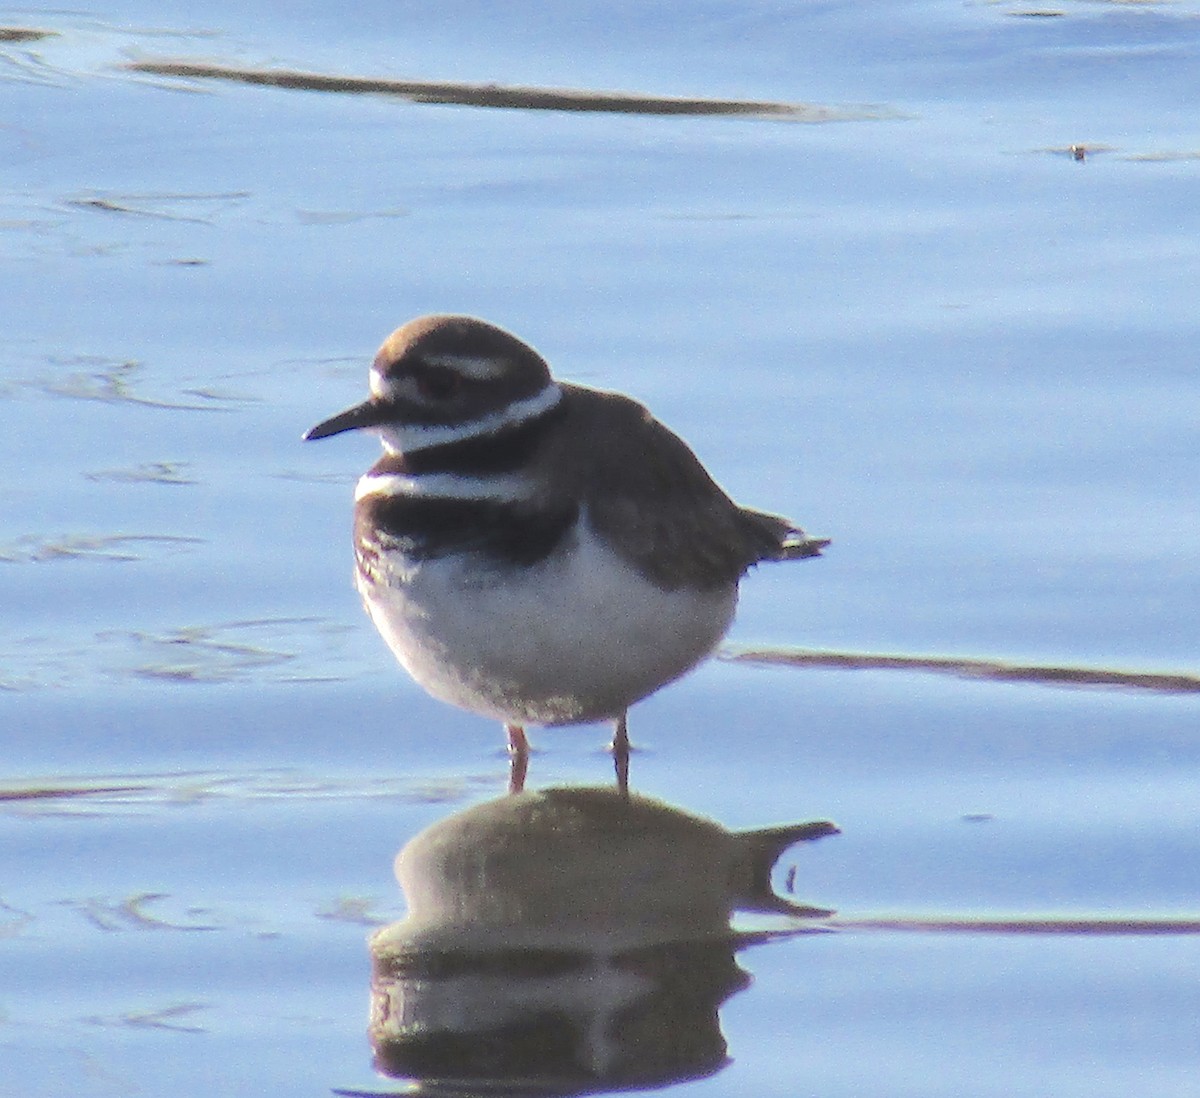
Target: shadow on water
{"x":571,"y":940}
{"x":575,"y":940}
{"x":967,"y":668}
{"x":24,"y":34}
{"x":557,"y":942}
{"x":505,"y":96}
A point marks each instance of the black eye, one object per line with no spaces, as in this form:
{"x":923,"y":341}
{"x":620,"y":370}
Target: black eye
{"x":437,"y":382}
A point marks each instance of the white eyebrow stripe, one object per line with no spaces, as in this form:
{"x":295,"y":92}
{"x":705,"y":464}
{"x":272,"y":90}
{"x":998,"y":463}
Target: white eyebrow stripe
{"x":410,"y":437}
{"x":500,"y":489}
{"x":475,"y":367}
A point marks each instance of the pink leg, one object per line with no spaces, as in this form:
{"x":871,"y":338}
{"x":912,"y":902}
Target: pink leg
{"x":620,"y":750}
{"x":518,"y":750}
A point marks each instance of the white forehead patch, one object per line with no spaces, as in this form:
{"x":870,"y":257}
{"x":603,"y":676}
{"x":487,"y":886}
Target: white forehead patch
{"x":381,"y":386}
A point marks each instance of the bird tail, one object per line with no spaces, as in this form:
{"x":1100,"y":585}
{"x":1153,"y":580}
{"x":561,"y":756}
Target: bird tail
{"x":763,"y":849}
{"x":771,"y":537}
{"x":797,"y":545}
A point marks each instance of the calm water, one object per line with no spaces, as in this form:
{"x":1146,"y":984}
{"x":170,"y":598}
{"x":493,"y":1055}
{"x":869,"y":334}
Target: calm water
{"x":922,"y":325}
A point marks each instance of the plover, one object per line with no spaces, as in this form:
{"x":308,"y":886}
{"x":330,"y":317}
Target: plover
{"x":534,"y":550}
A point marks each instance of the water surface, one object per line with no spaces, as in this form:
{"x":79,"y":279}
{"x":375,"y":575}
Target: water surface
{"x":945,"y":314}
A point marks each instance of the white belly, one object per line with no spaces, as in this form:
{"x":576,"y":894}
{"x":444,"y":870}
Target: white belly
{"x":579,"y":637}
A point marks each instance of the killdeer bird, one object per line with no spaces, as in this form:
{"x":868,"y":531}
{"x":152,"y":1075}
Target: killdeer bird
{"x":533,"y":550}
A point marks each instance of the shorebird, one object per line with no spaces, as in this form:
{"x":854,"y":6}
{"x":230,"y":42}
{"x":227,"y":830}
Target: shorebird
{"x":533,"y":550}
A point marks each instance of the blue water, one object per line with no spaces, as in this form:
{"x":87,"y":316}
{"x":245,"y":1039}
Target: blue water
{"x":925,"y":329}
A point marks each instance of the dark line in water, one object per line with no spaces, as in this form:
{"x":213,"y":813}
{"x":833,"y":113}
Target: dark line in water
{"x":992,"y":670}
{"x":1024,"y":926}
{"x":55,"y":794}
{"x":24,"y":34}
{"x":506,"y":95}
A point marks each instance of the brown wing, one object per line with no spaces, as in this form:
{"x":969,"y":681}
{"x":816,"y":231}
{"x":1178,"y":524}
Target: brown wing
{"x":644,"y":490}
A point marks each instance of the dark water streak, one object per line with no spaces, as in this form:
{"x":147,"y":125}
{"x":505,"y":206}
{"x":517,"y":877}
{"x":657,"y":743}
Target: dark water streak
{"x":502,"y":95}
{"x":993,"y":670}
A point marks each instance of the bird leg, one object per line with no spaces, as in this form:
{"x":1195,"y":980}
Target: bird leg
{"x":620,"y":750}
{"x":518,"y":751}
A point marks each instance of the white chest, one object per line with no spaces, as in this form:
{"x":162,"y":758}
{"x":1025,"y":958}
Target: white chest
{"x":578,"y":637}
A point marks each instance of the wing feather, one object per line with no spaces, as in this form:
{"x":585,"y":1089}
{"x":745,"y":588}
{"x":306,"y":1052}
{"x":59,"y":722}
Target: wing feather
{"x":645,"y":491}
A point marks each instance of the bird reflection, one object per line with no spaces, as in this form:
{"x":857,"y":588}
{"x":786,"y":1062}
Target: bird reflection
{"x":569,"y":941}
